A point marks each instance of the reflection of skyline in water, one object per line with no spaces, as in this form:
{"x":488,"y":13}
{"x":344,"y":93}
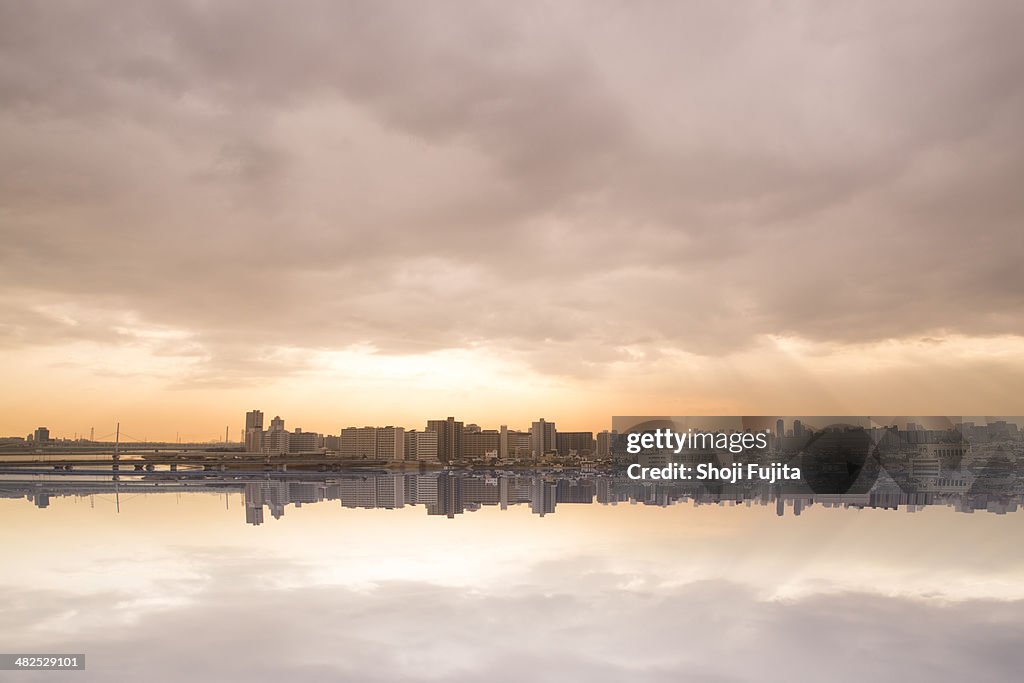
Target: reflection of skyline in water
{"x":984,"y":484}
{"x":376,"y":585}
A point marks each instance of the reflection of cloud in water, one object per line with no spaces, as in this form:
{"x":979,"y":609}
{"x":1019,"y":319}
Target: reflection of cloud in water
{"x":544,"y":626}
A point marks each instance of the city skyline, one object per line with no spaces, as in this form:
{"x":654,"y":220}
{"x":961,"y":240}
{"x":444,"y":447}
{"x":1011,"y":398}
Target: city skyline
{"x":236,"y":434}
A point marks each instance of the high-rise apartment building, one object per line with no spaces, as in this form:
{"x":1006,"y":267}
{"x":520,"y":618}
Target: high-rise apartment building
{"x":449,"y":438}
{"x":391,"y":443}
{"x":605,"y":442}
{"x":421,"y":446}
{"x":276,"y":439}
{"x":542,"y":437}
{"x":575,"y":443}
{"x":359,"y":443}
{"x":480,"y":444}
{"x":519,"y":444}
{"x":304,"y":442}
{"x":254,"y":431}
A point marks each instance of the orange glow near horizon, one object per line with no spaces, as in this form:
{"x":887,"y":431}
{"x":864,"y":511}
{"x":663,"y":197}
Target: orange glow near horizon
{"x":959,"y":375}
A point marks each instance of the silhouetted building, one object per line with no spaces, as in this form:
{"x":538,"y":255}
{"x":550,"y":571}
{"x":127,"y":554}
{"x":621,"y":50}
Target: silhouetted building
{"x":481,"y":444}
{"x":519,"y":444}
{"x":254,"y":431}
{"x":303,"y":442}
{"x":449,"y":438}
{"x":276,"y":440}
{"x":359,"y":443}
{"x":575,"y":443}
{"x":391,"y":443}
{"x":604,"y":443}
{"x":41,"y":436}
{"x":421,"y":446}
{"x":542,"y":437}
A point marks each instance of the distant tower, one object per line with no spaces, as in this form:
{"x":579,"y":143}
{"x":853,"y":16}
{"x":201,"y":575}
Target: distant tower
{"x":780,"y":428}
{"x":41,"y":435}
{"x":798,"y":428}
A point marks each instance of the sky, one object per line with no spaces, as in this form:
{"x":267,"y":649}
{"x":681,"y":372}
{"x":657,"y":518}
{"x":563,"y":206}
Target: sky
{"x":379,"y":213}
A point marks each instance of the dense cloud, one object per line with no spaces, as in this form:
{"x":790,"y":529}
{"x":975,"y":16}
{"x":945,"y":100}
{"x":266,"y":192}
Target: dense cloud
{"x":547,"y":183}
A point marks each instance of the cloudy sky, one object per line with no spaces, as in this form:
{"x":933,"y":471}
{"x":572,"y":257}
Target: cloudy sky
{"x":354,"y":213}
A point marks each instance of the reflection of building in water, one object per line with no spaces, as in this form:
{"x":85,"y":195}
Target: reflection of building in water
{"x":482,"y":490}
{"x":449,"y":496}
{"x":542,"y":496}
{"x":273,"y":494}
{"x":575,"y":491}
{"x":925,"y":467}
{"x":373,"y":492}
{"x":253,"y":515}
{"x":422,"y":489}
